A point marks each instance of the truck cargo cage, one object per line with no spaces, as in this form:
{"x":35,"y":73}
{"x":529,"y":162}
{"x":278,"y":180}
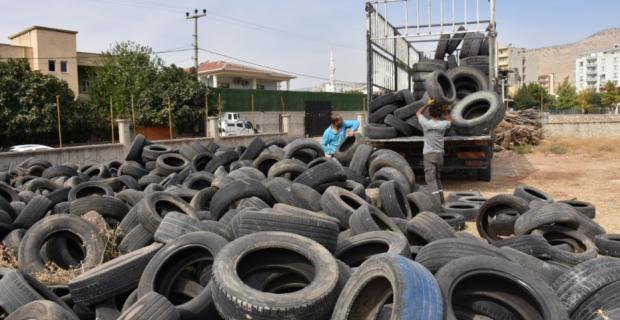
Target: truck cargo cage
{"x":390,"y":50}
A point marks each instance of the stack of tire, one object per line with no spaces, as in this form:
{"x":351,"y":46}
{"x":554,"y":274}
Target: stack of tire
{"x":463,"y":86}
{"x":274,"y":230}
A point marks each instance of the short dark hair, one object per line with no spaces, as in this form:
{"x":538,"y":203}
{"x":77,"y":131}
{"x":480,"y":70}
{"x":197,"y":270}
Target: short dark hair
{"x":434,"y":111}
{"x":336,"y":119}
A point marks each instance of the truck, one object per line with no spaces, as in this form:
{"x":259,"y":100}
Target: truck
{"x":391,"y":55}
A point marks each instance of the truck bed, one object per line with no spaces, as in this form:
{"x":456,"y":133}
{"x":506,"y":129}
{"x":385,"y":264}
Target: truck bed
{"x":421,"y":139}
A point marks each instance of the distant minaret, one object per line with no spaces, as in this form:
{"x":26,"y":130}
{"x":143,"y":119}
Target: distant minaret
{"x":332,"y":73}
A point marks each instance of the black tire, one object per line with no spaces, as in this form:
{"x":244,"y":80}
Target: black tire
{"x":493,"y":208}
{"x":133,"y":169}
{"x":478,"y":113}
{"x":170,"y":163}
{"x":200,"y":161}
{"x":135,"y":150}
{"x":599,"y":303}
{"x":407,"y":96}
{"x":409,"y":110}
{"x":32,"y":212}
{"x":556,"y":213}
{"x":401,"y":126}
{"x":254,"y":149}
{"x":288,"y":168}
{"x":300,"y":144}
{"x":607,"y":244}
{"x":580,"y":282}
{"x":586,"y":208}
{"x":198,"y":180}
{"x":42,"y":310}
{"x":129,"y":221}
{"x":468,"y":80}
{"x":151,"y":306}
{"x":380,"y":101}
{"x":265,"y":161}
{"x":112,"y":209}
{"x":368,"y":218}
{"x":346,"y":149}
{"x":281,"y":191}
{"x":442,"y":45}
{"x":324,"y":173}
{"x":59,"y":171}
{"x":236,"y":300}
{"x":310,"y":225}
{"x":135,"y":239}
{"x":440,"y":88}
{"x":157,"y":204}
{"x":175,"y":225}
{"x":379,"y":115}
{"x":529,"y":193}
{"x":169,"y":262}
{"x":438,"y":253}
{"x":471,"y":44}
{"x":90,"y":188}
{"x":375,"y":131}
{"x":455,"y":220}
{"x":7,"y":193}
{"x":356,"y":249}
{"x":12,"y":239}
{"x":153,"y":151}
{"x":359,"y":161}
{"x":15,"y":292}
{"x":580,"y":247}
{"x":29,"y":257}
{"x":430,"y":65}
{"x":427,"y":227}
{"x":225,"y":197}
{"x":308,"y":198}
{"x":340,"y":204}
{"x":409,"y":285}
{"x":496,"y":279}
{"x":393,"y":200}
{"x":221,"y":160}
{"x":469,"y":210}
{"x":420,"y":201}
{"x":202,"y":200}
{"x":456,"y":39}
{"x":112,"y":278}
{"x":394,"y":160}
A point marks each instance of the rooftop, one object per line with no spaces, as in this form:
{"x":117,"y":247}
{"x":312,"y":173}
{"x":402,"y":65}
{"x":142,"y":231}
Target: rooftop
{"x":41,"y":28}
{"x":216,"y":67}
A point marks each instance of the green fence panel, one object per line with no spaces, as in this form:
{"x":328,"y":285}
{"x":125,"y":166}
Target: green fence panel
{"x":238,"y":100}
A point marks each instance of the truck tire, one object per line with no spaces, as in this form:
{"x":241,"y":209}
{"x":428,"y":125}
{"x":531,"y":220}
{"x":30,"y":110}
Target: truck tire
{"x":356,"y":249}
{"x":427,"y":227}
{"x":383,"y":100}
{"x":467,"y":80}
{"x":407,"y":282}
{"x":359,"y":161}
{"x":368,"y":218}
{"x":157,"y":204}
{"x":340,"y":204}
{"x":401,"y":126}
{"x":235,"y":299}
{"x":135,"y":150}
{"x":287,"y":168}
{"x":254,"y":149}
{"x":438,"y":253}
{"x":409,"y":110}
{"x":225,"y":197}
{"x":471,"y":44}
{"x":394,"y":201}
{"x":456,"y":39}
{"x":607,"y":244}
{"x":529,"y":193}
{"x":300,"y":144}
{"x":170,"y":163}
{"x":586,"y":208}
{"x":394,"y":160}
{"x":377,"y":131}
{"x":442,"y":45}
{"x":346,"y":149}
{"x":324,"y":173}
{"x":494,"y":207}
{"x":440,"y":88}
{"x":478,"y":113}
{"x":469,"y":210}
{"x":308,"y":198}
{"x":379,"y":115}
{"x":389,"y":173}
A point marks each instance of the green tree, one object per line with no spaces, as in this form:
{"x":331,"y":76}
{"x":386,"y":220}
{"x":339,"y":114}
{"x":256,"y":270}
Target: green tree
{"x":610,"y":97}
{"x":588,"y":100}
{"x":187,"y":100}
{"x":529,"y":96}
{"x":126,"y":69}
{"x":28,"y":107}
{"x":567,"y":95}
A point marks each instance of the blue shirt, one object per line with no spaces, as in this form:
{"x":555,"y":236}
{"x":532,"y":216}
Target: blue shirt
{"x":332,"y":140}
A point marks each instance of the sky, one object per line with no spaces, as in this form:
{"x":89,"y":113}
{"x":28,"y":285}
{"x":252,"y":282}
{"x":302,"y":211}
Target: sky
{"x":290,"y":35}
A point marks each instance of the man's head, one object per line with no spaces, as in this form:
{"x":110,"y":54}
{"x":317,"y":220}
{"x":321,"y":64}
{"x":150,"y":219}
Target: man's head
{"x":336,"y":120}
{"x":434,"y":111}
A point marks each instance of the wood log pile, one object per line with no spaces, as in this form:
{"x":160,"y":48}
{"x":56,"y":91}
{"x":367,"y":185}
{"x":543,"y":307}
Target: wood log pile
{"x":518,"y":128}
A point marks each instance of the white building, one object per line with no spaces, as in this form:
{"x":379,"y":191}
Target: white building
{"x":593,"y":70}
{"x":223,"y":74}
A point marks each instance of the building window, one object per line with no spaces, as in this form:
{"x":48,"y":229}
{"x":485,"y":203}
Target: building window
{"x":260,"y":87}
{"x":224,"y":85}
{"x":51,"y":65}
{"x":63,"y":66}
{"x":581,"y":63}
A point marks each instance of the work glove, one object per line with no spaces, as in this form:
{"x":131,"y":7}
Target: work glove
{"x":430,"y":101}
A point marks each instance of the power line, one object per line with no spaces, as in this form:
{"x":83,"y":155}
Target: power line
{"x":305,"y":75}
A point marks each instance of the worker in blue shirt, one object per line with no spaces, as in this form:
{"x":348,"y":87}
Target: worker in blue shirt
{"x":336,"y":133}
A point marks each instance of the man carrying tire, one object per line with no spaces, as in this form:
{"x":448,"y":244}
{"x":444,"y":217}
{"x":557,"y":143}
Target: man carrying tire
{"x":336,"y":133}
{"x":433,"y":151}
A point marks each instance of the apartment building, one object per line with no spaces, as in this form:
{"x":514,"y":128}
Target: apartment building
{"x":52,"y":51}
{"x":520,"y":67}
{"x":547,"y":81}
{"x":593,"y":70}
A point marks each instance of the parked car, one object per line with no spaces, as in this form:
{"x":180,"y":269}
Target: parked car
{"x":29,"y":147}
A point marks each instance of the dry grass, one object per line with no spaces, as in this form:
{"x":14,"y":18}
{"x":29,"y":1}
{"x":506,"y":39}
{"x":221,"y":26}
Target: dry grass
{"x":54,"y":274}
{"x":594,"y":147}
{"x":8,"y":258}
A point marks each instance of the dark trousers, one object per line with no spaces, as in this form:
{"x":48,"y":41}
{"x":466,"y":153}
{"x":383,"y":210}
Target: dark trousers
{"x":433,"y":162}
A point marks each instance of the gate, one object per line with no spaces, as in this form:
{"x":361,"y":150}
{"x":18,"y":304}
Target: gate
{"x":317,"y":118}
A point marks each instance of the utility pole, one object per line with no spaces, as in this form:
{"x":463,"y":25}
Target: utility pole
{"x":196,"y":16}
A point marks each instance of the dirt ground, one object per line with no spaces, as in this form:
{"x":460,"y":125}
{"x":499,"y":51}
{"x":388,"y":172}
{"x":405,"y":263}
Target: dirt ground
{"x":587,"y":170}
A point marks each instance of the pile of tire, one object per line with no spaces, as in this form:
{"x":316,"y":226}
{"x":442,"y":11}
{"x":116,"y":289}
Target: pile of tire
{"x":463,"y":86}
{"x":274,"y":230}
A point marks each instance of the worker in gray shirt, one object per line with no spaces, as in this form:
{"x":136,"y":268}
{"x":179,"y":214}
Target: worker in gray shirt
{"x":434,"y":131}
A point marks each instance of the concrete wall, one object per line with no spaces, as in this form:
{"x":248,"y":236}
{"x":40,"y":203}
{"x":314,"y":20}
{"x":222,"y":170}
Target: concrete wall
{"x":270,"y":121}
{"x":107,"y":152}
{"x":583,"y":126}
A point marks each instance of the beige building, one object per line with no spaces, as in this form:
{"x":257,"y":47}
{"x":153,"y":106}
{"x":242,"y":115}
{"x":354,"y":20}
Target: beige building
{"x":548,"y":82}
{"x":223,"y":74}
{"x":52,"y":51}
{"x":520,"y":67}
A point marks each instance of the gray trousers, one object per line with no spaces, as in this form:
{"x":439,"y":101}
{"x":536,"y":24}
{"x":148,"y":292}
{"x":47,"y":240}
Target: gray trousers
{"x":432,"y":171}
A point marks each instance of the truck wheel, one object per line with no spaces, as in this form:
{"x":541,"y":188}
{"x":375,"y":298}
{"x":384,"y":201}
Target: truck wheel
{"x":485,"y":174}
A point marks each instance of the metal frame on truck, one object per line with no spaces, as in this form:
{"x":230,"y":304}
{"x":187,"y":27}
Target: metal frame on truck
{"x":391,"y":55}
